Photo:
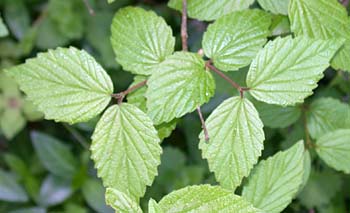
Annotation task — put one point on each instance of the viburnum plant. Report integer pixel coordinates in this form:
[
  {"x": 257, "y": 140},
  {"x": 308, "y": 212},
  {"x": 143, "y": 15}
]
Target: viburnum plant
[{"x": 68, "y": 85}]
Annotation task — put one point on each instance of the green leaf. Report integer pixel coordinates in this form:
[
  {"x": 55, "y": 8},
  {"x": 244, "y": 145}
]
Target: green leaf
[
  {"x": 121, "y": 202},
  {"x": 66, "y": 84},
  {"x": 287, "y": 70},
  {"x": 326, "y": 115},
  {"x": 9, "y": 189},
  {"x": 322, "y": 19},
  {"x": 276, "y": 180},
  {"x": 209, "y": 10},
  {"x": 12, "y": 122},
  {"x": 110, "y": 1},
  {"x": 275, "y": 6},
  {"x": 53, "y": 191},
  {"x": 153, "y": 207},
  {"x": 275, "y": 116},
  {"x": 165, "y": 129},
  {"x": 71, "y": 24},
  {"x": 180, "y": 84},
  {"x": 236, "y": 141},
  {"x": 54, "y": 155},
  {"x": 205, "y": 198},
  {"x": 17, "y": 17},
  {"x": 138, "y": 99},
  {"x": 93, "y": 193},
  {"x": 125, "y": 148},
  {"x": 3, "y": 29},
  {"x": 334, "y": 149},
  {"x": 320, "y": 188},
  {"x": 31, "y": 112},
  {"x": 29, "y": 210},
  {"x": 140, "y": 39},
  {"x": 232, "y": 46}
]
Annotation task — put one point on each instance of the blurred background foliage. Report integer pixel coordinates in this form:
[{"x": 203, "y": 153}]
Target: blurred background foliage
[{"x": 46, "y": 167}]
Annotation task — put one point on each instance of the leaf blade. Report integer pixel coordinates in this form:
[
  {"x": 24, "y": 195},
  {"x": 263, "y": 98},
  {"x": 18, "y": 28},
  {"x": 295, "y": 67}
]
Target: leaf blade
[
  {"x": 180, "y": 85},
  {"x": 210, "y": 10},
  {"x": 275, "y": 181},
  {"x": 287, "y": 70},
  {"x": 140, "y": 40},
  {"x": 325, "y": 19},
  {"x": 233, "y": 46},
  {"x": 205, "y": 198},
  {"x": 126, "y": 151},
  {"x": 334, "y": 148},
  {"x": 121, "y": 202},
  {"x": 235, "y": 132},
  {"x": 67, "y": 85}
]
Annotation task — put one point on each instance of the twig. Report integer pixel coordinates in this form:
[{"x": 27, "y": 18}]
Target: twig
[
  {"x": 91, "y": 11},
  {"x": 184, "y": 37},
  {"x": 120, "y": 96},
  {"x": 184, "y": 34},
  {"x": 76, "y": 135},
  {"x": 345, "y": 3},
  {"x": 204, "y": 127},
  {"x": 308, "y": 142},
  {"x": 240, "y": 89}
]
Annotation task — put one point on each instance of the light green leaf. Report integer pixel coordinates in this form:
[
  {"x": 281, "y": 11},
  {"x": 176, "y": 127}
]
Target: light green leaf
[
  {"x": 54, "y": 155},
  {"x": 66, "y": 84},
  {"x": 326, "y": 115},
  {"x": 180, "y": 84},
  {"x": 232, "y": 46},
  {"x": 208, "y": 10},
  {"x": 11, "y": 122},
  {"x": 125, "y": 148},
  {"x": 275, "y": 116},
  {"x": 3, "y": 29},
  {"x": 165, "y": 129},
  {"x": 287, "y": 70},
  {"x": 205, "y": 198},
  {"x": 320, "y": 188},
  {"x": 236, "y": 141},
  {"x": 334, "y": 149},
  {"x": 93, "y": 192},
  {"x": 9, "y": 189},
  {"x": 137, "y": 98},
  {"x": 140, "y": 39},
  {"x": 31, "y": 112},
  {"x": 153, "y": 207},
  {"x": 322, "y": 19},
  {"x": 121, "y": 202},
  {"x": 276, "y": 180},
  {"x": 275, "y": 6},
  {"x": 110, "y": 1}
]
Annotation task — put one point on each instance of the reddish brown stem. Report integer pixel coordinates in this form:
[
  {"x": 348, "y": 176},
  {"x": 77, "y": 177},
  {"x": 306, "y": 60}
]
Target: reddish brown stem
[
  {"x": 240, "y": 89},
  {"x": 345, "y": 3},
  {"x": 120, "y": 96},
  {"x": 204, "y": 127},
  {"x": 184, "y": 34}
]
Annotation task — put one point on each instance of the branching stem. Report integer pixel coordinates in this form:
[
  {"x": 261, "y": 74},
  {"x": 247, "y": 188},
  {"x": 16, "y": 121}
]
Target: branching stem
[
  {"x": 184, "y": 37},
  {"x": 184, "y": 34},
  {"x": 120, "y": 96},
  {"x": 240, "y": 89},
  {"x": 308, "y": 142}
]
